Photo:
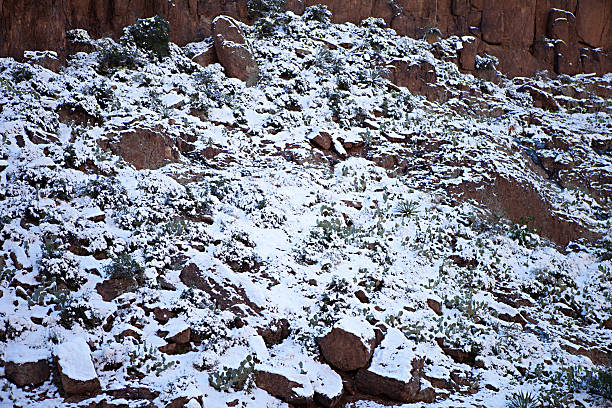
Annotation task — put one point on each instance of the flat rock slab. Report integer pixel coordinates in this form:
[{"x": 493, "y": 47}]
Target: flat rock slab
[
  {"x": 77, "y": 372},
  {"x": 394, "y": 372}
]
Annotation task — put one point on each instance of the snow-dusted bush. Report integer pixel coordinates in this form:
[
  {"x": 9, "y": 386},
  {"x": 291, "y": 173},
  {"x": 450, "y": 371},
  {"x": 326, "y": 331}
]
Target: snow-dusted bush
[
  {"x": 258, "y": 8},
  {"x": 150, "y": 34},
  {"x": 318, "y": 13},
  {"x": 124, "y": 266},
  {"x": 58, "y": 267},
  {"x": 488, "y": 62},
  {"x": 116, "y": 56}
]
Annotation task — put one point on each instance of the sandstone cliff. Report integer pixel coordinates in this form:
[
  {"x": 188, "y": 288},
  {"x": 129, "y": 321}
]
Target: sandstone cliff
[{"x": 564, "y": 36}]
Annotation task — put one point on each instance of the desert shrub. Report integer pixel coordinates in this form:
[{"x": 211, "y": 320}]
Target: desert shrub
[
  {"x": 150, "y": 34},
  {"x": 599, "y": 383},
  {"x": 486, "y": 63},
  {"x": 258, "y": 8},
  {"x": 265, "y": 27},
  {"x": 116, "y": 56},
  {"x": 57, "y": 267},
  {"x": 234, "y": 378},
  {"x": 77, "y": 310},
  {"x": 124, "y": 266},
  {"x": 318, "y": 13},
  {"x": 22, "y": 72}
]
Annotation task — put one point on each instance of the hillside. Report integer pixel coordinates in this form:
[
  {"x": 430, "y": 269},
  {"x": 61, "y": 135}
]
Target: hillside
[{"x": 331, "y": 215}]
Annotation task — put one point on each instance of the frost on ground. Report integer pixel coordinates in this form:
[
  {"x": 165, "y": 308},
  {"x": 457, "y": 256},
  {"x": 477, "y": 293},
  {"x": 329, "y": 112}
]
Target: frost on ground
[{"x": 172, "y": 236}]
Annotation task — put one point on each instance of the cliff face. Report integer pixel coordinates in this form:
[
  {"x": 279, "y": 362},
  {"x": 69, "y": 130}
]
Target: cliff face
[{"x": 564, "y": 36}]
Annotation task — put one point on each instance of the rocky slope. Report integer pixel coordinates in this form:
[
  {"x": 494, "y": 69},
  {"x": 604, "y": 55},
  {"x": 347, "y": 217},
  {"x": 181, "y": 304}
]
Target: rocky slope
[
  {"x": 332, "y": 216},
  {"x": 562, "y": 36}
]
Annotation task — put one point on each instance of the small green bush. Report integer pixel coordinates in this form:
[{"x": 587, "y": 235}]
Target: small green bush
[
  {"x": 318, "y": 13},
  {"x": 151, "y": 34},
  {"x": 234, "y": 378},
  {"x": 600, "y": 383},
  {"x": 258, "y": 8},
  {"x": 124, "y": 267},
  {"x": 116, "y": 56}
]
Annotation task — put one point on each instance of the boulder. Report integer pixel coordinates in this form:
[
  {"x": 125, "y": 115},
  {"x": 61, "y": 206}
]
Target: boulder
[
  {"x": 299, "y": 381},
  {"x": 294, "y": 389},
  {"x": 113, "y": 288},
  {"x": 225, "y": 294},
  {"x": 395, "y": 372},
  {"x": 178, "y": 331},
  {"x": 77, "y": 373},
  {"x": 144, "y": 148},
  {"x": 46, "y": 59},
  {"x": 202, "y": 53},
  {"x": 540, "y": 98},
  {"x": 25, "y": 366},
  {"x": 233, "y": 50},
  {"x": 349, "y": 345},
  {"x": 275, "y": 332},
  {"x": 322, "y": 140},
  {"x": 435, "y": 304}
]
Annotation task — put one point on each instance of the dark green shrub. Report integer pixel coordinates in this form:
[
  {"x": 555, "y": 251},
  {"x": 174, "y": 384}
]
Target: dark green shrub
[
  {"x": 151, "y": 34},
  {"x": 124, "y": 267},
  {"x": 77, "y": 311},
  {"x": 22, "y": 73},
  {"x": 234, "y": 378},
  {"x": 116, "y": 56},
  {"x": 600, "y": 383},
  {"x": 258, "y": 8},
  {"x": 318, "y": 13}
]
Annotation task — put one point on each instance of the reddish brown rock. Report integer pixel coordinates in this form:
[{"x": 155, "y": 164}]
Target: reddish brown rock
[
  {"x": 541, "y": 99},
  {"x": 113, "y": 288},
  {"x": 395, "y": 372},
  {"x": 46, "y": 59},
  {"x": 202, "y": 53},
  {"x": 27, "y": 373},
  {"x": 181, "y": 337},
  {"x": 594, "y": 23},
  {"x": 275, "y": 332},
  {"x": 233, "y": 50},
  {"x": 77, "y": 372},
  {"x": 226, "y": 296},
  {"x": 349, "y": 345},
  {"x": 144, "y": 148},
  {"x": 322, "y": 140},
  {"x": 283, "y": 388},
  {"x": 435, "y": 305},
  {"x": 418, "y": 76}
]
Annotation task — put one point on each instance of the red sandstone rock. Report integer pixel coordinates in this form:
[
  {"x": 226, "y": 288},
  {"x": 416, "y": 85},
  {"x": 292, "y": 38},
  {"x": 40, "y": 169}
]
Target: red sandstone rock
[
  {"x": 349, "y": 345},
  {"x": 144, "y": 148},
  {"x": 286, "y": 389},
  {"x": 513, "y": 27},
  {"x": 233, "y": 51},
  {"x": 27, "y": 373},
  {"x": 77, "y": 372},
  {"x": 395, "y": 371}
]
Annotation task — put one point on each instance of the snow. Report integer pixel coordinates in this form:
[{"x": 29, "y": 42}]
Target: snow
[
  {"x": 284, "y": 237},
  {"x": 74, "y": 358},
  {"x": 393, "y": 357},
  {"x": 358, "y": 327},
  {"x": 20, "y": 354}
]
